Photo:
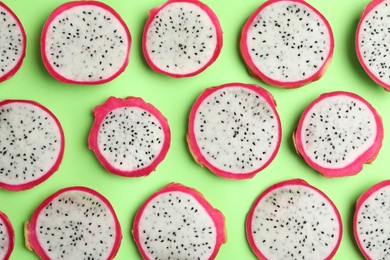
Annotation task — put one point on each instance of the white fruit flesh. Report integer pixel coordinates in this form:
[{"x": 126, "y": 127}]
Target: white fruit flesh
[
  {"x": 4, "y": 239},
  {"x": 30, "y": 143},
  {"x": 372, "y": 224},
  {"x": 130, "y": 138},
  {"x": 288, "y": 41},
  {"x": 11, "y": 42},
  {"x": 181, "y": 38},
  {"x": 373, "y": 38},
  {"x": 295, "y": 222},
  {"x": 86, "y": 43},
  {"x": 236, "y": 130},
  {"x": 76, "y": 225},
  {"x": 174, "y": 225},
  {"x": 337, "y": 130}
]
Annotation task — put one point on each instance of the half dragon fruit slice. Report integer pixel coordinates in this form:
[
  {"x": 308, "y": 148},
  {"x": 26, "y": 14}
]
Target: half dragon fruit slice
[
  {"x": 85, "y": 42},
  {"x": 372, "y": 39},
  {"x": 12, "y": 44},
  {"x": 293, "y": 220},
  {"x": 338, "y": 133},
  {"x": 181, "y": 38},
  {"x": 7, "y": 237},
  {"x": 371, "y": 222},
  {"x": 31, "y": 144},
  {"x": 74, "y": 223},
  {"x": 234, "y": 130},
  {"x": 287, "y": 43},
  {"x": 177, "y": 222},
  {"x": 129, "y": 136}
]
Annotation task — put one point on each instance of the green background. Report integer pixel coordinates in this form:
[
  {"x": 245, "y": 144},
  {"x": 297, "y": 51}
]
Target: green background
[{"x": 174, "y": 97}]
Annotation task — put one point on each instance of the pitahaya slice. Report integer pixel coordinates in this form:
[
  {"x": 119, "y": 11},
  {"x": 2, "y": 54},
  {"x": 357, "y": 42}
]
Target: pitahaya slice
[
  {"x": 74, "y": 223},
  {"x": 287, "y": 43},
  {"x": 371, "y": 222},
  {"x": 177, "y": 222},
  {"x": 372, "y": 39},
  {"x": 338, "y": 133},
  {"x": 234, "y": 130},
  {"x": 31, "y": 144},
  {"x": 129, "y": 136},
  {"x": 7, "y": 237},
  {"x": 85, "y": 42},
  {"x": 12, "y": 44},
  {"x": 181, "y": 38},
  {"x": 293, "y": 220}
]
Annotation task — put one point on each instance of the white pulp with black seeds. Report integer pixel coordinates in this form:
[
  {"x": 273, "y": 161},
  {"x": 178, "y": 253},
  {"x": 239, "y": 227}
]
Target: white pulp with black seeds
[
  {"x": 130, "y": 138},
  {"x": 30, "y": 143},
  {"x": 11, "y": 42},
  {"x": 76, "y": 225},
  {"x": 372, "y": 224},
  {"x": 181, "y": 39},
  {"x": 174, "y": 225},
  {"x": 295, "y": 222},
  {"x": 236, "y": 130},
  {"x": 337, "y": 130},
  {"x": 288, "y": 41},
  {"x": 372, "y": 40},
  {"x": 86, "y": 43},
  {"x": 4, "y": 239}
]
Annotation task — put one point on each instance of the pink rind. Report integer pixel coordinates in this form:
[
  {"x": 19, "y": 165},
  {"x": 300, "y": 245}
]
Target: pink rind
[
  {"x": 31, "y": 227},
  {"x": 65, "y": 7},
  {"x": 359, "y": 203},
  {"x": 191, "y": 138},
  {"x": 216, "y": 215},
  {"x": 258, "y": 74},
  {"x": 366, "y": 11},
  {"x": 11, "y": 234},
  {"x": 355, "y": 167},
  {"x": 24, "y": 39},
  {"x": 298, "y": 182},
  {"x": 213, "y": 18},
  {"x": 55, "y": 166},
  {"x": 101, "y": 111}
]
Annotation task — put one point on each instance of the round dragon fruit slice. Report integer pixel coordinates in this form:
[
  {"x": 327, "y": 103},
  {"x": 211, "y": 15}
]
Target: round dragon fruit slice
[
  {"x": 31, "y": 144},
  {"x": 371, "y": 221},
  {"x": 129, "y": 136},
  {"x": 181, "y": 38},
  {"x": 74, "y": 223},
  {"x": 287, "y": 43},
  {"x": 85, "y": 42},
  {"x": 7, "y": 237},
  {"x": 13, "y": 43},
  {"x": 293, "y": 220},
  {"x": 338, "y": 133},
  {"x": 372, "y": 39},
  {"x": 234, "y": 130},
  {"x": 177, "y": 222}
]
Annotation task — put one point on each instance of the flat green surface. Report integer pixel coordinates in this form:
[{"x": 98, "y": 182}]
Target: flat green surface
[{"x": 174, "y": 97}]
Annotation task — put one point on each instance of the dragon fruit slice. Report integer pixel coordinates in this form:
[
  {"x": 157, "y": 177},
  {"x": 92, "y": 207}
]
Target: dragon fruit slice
[
  {"x": 372, "y": 39},
  {"x": 234, "y": 130},
  {"x": 178, "y": 223},
  {"x": 287, "y": 43},
  {"x": 293, "y": 220},
  {"x": 129, "y": 136},
  {"x": 31, "y": 144},
  {"x": 74, "y": 223},
  {"x": 85, "y": 42},
  {"x": 7, "y": 237},
  {"x": 181, "y": 38},
  {"x": 371, "y": 222},
  {"x": 338, "y": 133},
  {"x": 12, "y": 44}
]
